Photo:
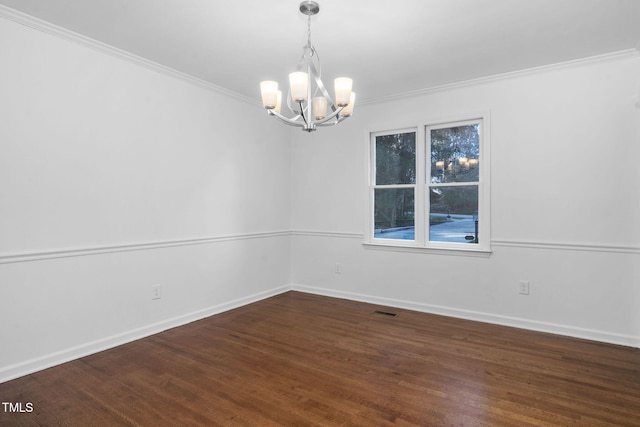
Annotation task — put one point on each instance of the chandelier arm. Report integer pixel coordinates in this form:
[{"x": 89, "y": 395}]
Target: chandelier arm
[
  {"x": 324, "y": 91},
  {"x": 316, "y": 72},
  {"x": 329, "y": 117},
  {"x": 310, "y": 63},
  {"x": 339, "y": 119},
  {"x": 286, "y": 120},
  {"x": 306, "y": 121}
]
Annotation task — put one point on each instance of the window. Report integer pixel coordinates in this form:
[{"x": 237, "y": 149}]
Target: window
[
  {"x": 454, "y": 182},
  {"x": 428, "y": 187},
  {"x": 395, "y": 186}
]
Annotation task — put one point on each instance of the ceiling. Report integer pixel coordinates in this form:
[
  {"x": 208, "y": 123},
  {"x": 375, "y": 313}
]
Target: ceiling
[{"x": 387, "y": 47}]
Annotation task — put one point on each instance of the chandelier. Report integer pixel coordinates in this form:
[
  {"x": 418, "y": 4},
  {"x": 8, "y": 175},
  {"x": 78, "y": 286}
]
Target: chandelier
[{"x": 308, "y": 98}]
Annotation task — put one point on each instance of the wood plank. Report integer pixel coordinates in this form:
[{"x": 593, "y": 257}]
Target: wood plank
[{"x": 301, "y": 359}]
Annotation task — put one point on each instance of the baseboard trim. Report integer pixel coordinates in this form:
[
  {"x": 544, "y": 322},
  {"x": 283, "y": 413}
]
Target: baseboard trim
[
  {"x": 515, "y": 322},
  {"x": 37, "y": 364}
]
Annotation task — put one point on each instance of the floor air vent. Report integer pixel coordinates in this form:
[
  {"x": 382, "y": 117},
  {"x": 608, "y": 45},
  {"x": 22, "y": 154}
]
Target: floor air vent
[{"x": 385, "y": 313}]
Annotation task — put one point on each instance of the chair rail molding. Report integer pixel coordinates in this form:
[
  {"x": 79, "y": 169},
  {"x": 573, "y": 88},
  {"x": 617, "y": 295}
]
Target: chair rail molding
[{"x": 8, "y": 258}]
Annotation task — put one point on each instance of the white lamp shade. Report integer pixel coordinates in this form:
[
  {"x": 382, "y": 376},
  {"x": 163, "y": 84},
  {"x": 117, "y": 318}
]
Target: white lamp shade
[
  {"x": 343, "y": 90},
  {"x": 319, "y": 107},
  {"x": 278, "y": 102},
  {"x": 269, "y": 90},
  {"x": 348, "y": 110},
  {"x": 299, "y": 82}
]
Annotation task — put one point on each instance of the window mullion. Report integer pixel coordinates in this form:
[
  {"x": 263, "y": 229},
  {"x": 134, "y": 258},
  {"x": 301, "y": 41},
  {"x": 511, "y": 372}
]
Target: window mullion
[
  {"x": 455, "y": 184},
  {"x": 426, "y": 206},
  {"x": 421, "y": 175},
  {"x": 394, "y": 186}
]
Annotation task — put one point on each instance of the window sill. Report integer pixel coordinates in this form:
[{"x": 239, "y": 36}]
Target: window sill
[{"x": 394, "y": 247}]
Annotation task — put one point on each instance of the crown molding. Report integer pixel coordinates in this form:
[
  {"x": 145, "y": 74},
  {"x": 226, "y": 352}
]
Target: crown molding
[
  {"x": 607, "y": 57},
  {"x": 63, "y": 33}
]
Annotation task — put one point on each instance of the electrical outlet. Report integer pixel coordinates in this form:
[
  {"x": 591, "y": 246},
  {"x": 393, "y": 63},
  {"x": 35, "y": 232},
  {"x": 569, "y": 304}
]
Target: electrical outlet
[
  {"x": 156, "y": 292},
  {"x": 523, "y": 287},
  {"x": 338, "y": 268}
]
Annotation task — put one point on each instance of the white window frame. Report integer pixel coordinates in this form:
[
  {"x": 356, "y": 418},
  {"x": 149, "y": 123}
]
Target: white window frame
[{"x": 421, "y": 189}]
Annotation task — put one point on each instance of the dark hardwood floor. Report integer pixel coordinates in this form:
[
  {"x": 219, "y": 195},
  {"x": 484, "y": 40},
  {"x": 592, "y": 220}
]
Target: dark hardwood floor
[{"x": 298, "y": 359}]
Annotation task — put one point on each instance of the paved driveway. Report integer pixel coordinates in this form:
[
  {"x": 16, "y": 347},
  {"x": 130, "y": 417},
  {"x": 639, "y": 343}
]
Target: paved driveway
[{"x": 452, "y": 231}]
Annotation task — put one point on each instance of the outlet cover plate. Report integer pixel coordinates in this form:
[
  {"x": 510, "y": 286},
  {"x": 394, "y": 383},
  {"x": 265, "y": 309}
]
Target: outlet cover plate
[
  {"x": 523, "y": 287},
  {"x": 156, "y": 292}
]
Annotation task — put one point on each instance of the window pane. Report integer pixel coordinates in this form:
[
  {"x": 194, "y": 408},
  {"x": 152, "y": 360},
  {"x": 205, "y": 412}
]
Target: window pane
[
  {"x": 394, "y": 217},
  {"x": 396, "y": 159},
  {"x": 454, "y": 212},
  {"x": 455, "y": 154}
]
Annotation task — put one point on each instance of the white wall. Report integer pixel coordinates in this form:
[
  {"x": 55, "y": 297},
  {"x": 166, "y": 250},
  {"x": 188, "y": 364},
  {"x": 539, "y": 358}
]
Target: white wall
[
  {"x": 565, "y": 144},
  {"x": 115, "y": 177}
]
